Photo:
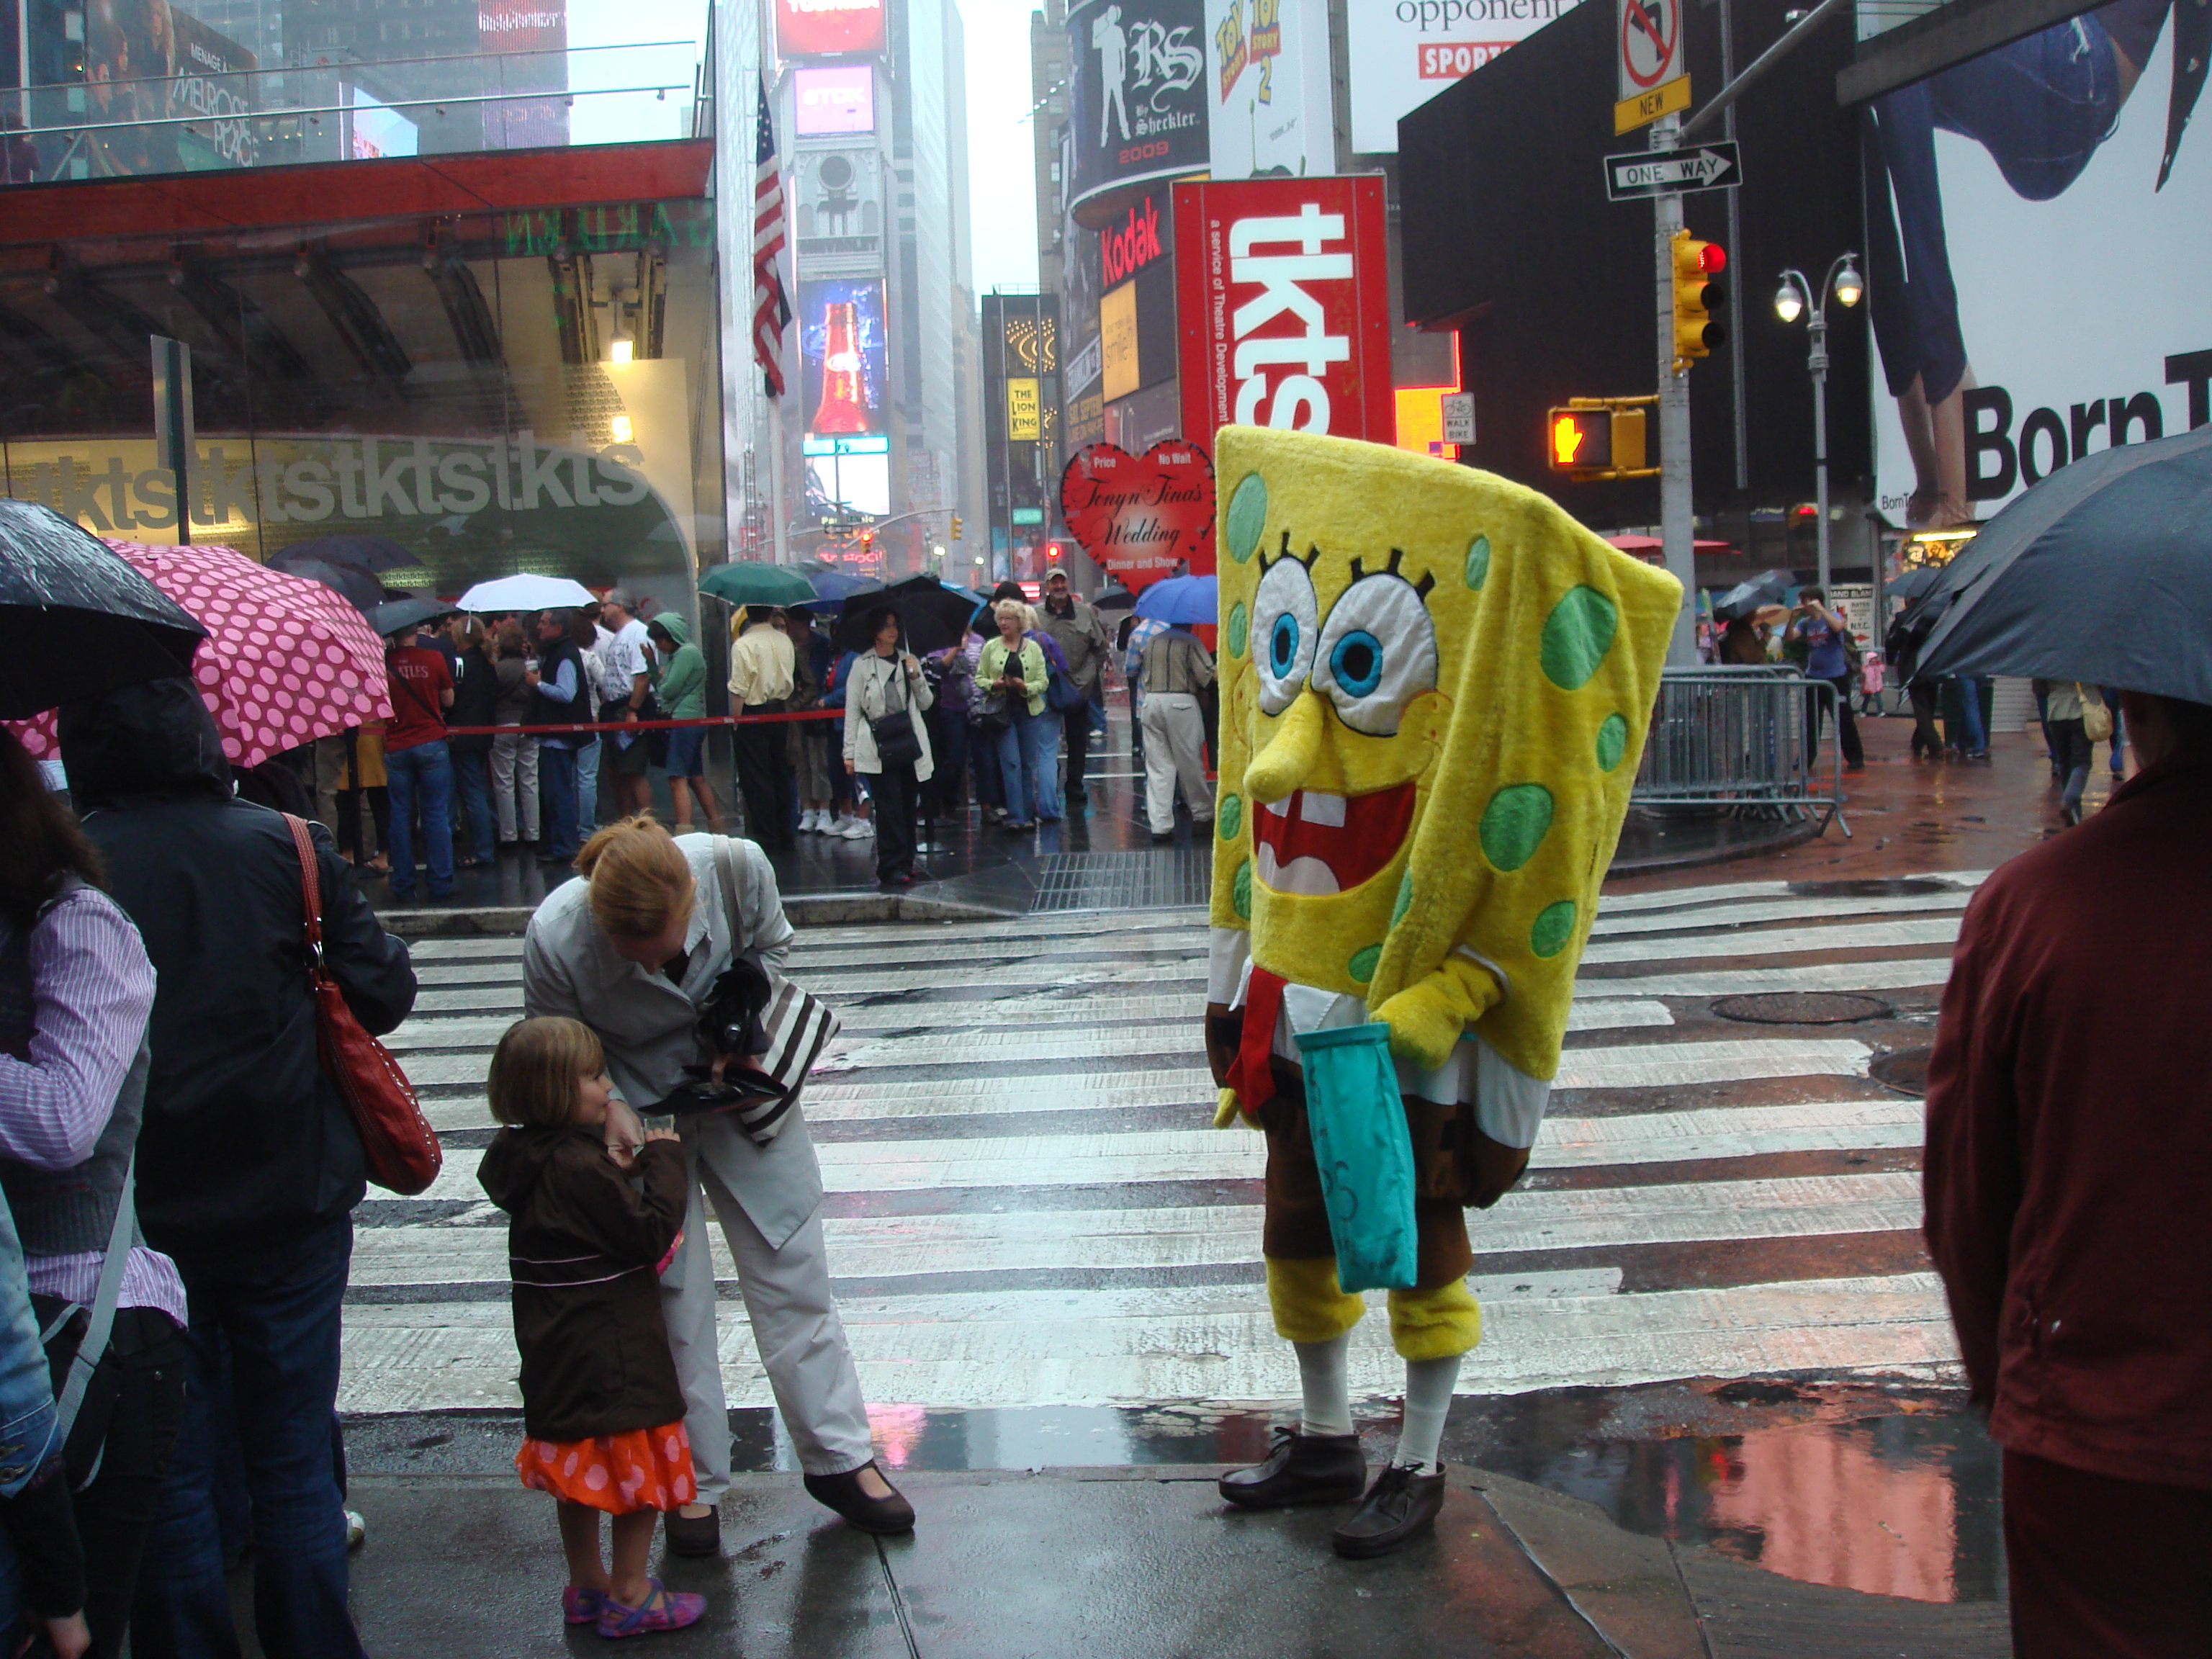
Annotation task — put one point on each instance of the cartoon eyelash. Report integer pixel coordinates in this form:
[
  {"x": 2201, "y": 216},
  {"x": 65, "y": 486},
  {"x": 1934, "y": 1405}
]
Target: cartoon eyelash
[
  {"x": 1397, "y": 556},
  {"x": 1283, "y": 552}
]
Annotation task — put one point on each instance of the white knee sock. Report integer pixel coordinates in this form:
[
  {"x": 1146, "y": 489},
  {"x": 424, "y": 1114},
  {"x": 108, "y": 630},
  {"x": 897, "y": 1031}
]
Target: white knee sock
[
  {"x": 1326, "y": 1379},
  {"x": 1428, "y": 1402}
]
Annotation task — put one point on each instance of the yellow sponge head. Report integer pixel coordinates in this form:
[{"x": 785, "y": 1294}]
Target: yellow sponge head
[{"x": 1435, "y": 690}]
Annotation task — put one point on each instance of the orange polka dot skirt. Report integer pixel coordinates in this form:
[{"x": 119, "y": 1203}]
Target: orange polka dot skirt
[{"x": 643, "y": 1469}]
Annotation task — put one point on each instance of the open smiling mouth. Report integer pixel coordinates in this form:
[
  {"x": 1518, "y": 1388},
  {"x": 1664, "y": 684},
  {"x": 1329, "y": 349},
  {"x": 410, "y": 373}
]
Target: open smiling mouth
[{"x": 1318, "y": 844}]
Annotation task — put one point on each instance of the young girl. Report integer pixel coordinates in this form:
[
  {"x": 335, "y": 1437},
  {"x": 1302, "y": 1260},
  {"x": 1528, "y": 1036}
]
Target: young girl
[{"x": 590, "y": 1228}]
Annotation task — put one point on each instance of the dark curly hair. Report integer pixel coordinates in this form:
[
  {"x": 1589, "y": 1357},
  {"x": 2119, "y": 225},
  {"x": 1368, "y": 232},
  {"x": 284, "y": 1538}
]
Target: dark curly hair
[{"x": 43, "y": 840}]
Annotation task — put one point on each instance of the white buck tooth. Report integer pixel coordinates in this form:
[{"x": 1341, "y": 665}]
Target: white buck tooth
[
  {"x": 1281, "y": 808},
  {"x": 1264, "y": 865},
  {"x": 1308, "y": 876},
  {"x": 1327, "y": 810}
]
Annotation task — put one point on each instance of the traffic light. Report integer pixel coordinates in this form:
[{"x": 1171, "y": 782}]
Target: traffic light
[
  {"x": 1594, "y": 436},
  {"x": 1697, "y": 296},
  {"x": 1052, "y": 552},
  {"x": 956, "y": 527},
  {"x": 1579, "y": 440}
]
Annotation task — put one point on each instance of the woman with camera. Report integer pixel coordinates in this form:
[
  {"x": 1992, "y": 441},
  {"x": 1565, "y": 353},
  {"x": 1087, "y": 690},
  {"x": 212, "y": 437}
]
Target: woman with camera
[
  {"x": 636, "y": 951},
  {"x": 887, "y": 741}
]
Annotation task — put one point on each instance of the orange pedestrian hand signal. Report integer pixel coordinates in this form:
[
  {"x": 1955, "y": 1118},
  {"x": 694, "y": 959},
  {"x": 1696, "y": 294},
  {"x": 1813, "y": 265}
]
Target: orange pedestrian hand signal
[{"x": 1581, "y": 439}]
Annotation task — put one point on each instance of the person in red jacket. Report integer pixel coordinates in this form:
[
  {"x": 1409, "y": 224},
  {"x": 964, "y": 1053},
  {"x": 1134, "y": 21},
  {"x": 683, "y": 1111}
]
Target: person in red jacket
[{"x": 2070, "y": 1132}]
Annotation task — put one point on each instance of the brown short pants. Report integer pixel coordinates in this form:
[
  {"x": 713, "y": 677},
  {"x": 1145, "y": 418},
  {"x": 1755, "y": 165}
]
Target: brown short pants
[{"x": 1297, "y": 1227}]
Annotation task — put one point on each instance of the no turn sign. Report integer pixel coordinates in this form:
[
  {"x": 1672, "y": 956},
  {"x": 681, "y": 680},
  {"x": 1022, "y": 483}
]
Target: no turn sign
[{"x": 1650, "y": 45}]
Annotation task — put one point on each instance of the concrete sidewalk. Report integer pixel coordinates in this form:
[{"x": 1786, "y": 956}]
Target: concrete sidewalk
[{"x": 1124, "y": 1564}]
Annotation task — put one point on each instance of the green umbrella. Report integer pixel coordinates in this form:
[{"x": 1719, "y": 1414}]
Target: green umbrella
[{"x": 745, "y": 583}]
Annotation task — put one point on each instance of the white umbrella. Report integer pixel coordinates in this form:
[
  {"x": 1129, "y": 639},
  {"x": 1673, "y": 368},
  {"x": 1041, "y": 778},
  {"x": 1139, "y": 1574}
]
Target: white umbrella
[{"x": 526, "y": 592}]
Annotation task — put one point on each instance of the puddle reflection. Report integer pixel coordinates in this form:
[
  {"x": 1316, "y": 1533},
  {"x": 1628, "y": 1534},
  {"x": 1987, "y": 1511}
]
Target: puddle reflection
[{"x": 1892, "y": 1496}]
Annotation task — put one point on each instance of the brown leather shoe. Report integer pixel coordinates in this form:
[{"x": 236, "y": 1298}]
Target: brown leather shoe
[
  {"x": 842, "y": 1494},
  {"x": 1401, "y": 1504},
  {"x": 695, "y": 1534},
  {"x": 1302, "y": 1469}
]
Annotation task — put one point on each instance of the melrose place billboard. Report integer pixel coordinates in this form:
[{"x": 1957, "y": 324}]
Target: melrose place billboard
[{"x": 2057, "y": 303}]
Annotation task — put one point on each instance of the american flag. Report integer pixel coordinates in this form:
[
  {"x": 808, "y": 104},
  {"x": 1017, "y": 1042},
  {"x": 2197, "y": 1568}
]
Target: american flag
[{"x": 771, "y": 310}]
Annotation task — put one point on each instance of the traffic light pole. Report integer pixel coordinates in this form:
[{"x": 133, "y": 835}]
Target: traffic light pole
[{"x": 1676, "y": 531}]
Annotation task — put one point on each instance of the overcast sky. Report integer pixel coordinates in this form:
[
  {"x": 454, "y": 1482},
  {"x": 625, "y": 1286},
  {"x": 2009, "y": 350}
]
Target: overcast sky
[{"x": 1000, "y": 161}]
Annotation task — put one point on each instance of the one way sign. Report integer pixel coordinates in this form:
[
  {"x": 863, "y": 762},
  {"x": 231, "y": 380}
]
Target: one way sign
[{"x": 1660, "y": 172}]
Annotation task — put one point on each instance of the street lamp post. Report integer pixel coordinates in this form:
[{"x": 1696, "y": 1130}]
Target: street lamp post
[{"x": 1794, "y": 298}]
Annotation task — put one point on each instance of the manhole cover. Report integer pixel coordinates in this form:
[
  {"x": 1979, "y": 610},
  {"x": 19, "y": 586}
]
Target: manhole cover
[
  {"x": 1874, "y": 887},
  {"x": 1905, "y": 1070},
  {"x": 1802, "y": 1008}
]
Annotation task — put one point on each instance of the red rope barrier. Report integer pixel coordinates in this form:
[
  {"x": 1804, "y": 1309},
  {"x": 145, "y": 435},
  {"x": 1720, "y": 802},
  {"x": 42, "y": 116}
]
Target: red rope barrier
[{"x": 646, "y": 725}]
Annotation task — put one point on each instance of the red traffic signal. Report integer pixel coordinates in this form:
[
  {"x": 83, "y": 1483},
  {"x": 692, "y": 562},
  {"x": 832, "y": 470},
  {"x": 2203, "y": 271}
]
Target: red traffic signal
[{"x": 1697, "y": 296}]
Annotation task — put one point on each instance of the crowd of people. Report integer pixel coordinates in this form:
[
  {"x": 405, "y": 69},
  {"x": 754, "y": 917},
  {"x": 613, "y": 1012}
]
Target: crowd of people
[{"x": 1004, "y": 722}]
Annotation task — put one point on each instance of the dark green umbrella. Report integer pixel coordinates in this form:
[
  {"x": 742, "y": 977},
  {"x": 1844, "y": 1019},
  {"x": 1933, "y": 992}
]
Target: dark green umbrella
[
  {"x": 76, "y": 620},
  {"x": 2101, "y": 574},
  {"x": 743, "y": 582}
]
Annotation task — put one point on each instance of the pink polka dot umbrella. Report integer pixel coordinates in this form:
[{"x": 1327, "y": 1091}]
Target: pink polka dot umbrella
[{"x": 286, "y": 659}]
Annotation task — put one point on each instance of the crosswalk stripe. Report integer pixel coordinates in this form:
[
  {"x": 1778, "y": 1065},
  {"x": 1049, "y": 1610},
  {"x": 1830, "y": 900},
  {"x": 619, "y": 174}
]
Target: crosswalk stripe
[
  {"x": 432, "y": 1355},
  {"x": 1849, "y": 936}
]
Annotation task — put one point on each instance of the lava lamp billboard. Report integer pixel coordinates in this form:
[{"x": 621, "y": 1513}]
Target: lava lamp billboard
[{"x": 845, "y": 375}]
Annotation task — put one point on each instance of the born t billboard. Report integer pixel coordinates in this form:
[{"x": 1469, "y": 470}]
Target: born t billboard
[
  {"x": 1283, "y": 307},
  {"x": 2036, "y": 288}
]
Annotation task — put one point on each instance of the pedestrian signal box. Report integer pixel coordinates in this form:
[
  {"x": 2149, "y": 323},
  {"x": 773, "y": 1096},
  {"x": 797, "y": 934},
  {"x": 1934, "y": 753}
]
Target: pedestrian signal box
[
  {"x": 1592, "y": 438},
  {"x": 1697, "y": 296}
]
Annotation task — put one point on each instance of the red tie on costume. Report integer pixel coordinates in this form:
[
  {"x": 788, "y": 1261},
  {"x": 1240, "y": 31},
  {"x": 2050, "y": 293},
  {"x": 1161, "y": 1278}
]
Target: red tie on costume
[{"x": 1254, "y": 1077}]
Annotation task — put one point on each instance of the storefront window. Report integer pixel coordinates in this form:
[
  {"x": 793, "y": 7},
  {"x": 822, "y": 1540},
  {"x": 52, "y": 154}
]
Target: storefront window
[{"x": 492, "y": 392}]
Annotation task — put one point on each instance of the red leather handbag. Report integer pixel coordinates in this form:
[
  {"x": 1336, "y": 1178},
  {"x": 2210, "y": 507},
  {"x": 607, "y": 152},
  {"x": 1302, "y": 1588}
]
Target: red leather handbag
[{"x": 404, "y": 1154}]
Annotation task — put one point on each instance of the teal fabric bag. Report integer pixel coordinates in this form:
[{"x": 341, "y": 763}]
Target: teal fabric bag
[{"x": 1365, "y": 1153}]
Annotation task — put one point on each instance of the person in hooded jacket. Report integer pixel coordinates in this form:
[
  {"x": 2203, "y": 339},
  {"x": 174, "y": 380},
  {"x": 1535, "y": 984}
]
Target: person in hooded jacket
[{"x": 249, "y": 1164}]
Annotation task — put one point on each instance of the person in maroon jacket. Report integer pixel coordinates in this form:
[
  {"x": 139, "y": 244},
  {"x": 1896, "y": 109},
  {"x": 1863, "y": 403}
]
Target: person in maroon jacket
[{"x": 2069, "y": 1133}]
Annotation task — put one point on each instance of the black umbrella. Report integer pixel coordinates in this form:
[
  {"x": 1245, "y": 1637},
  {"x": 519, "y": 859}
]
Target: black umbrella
[
  {"x": 76, "y": 619},
  {"x": 1114, "y": 598},
  {"x": 1768, "y": 587},
  {"x": 396, "y": 615},
  {"x": 2100, "y": 573},
  {"x": 362, "y": 591},
  {"x": 1914, "y": 583},
  {"x": 932, "y": 616},
  {"x": 369, "y": 553}
]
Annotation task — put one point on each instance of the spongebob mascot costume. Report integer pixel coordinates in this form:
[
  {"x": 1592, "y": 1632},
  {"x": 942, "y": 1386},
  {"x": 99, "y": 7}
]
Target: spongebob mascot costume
[{"x": 1435, "y": 689}]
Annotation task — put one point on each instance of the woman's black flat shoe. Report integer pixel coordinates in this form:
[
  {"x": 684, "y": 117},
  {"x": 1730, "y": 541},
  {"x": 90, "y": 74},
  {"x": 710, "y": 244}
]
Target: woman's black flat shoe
[
  {"x": 694, "y": 1535},
  {"x": 842, "y": 1494}
]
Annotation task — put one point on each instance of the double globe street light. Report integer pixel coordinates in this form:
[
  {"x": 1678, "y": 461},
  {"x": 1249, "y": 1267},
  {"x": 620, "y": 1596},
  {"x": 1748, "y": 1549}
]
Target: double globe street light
[{"x": 1793, "y": 300}]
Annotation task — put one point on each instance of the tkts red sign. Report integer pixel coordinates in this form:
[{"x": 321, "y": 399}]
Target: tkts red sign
[{"x": 1282, "y": 302}]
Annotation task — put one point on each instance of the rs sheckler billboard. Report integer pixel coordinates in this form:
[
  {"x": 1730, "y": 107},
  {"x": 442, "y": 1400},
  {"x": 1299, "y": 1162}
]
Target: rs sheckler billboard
[
  {"x": 812, "y": 28},
  {"x": 2057, "y": 260},
  {"x": 1283, "y": 305},
  {"x": 1137, "y": 100}
]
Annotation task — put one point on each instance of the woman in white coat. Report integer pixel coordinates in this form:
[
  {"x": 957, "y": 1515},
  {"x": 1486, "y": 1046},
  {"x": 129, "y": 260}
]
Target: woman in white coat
[
  {"x": 634, "y": 950},
  {"x": 887, "y": 682}
]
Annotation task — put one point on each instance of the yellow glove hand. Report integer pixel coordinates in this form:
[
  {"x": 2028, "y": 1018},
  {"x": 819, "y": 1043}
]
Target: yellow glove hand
[
  {"x": 1227, "y": 1111},
  {"x": 1426, "y": 1019}
]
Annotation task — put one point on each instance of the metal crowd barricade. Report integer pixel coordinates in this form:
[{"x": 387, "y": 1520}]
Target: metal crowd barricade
[{"x": 1742, "y": 738}]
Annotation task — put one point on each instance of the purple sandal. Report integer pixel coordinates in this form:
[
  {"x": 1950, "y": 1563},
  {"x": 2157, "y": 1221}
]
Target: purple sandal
[
  {"x": 582, "y": 1606},
  {"x": 662, "y": 1609}
]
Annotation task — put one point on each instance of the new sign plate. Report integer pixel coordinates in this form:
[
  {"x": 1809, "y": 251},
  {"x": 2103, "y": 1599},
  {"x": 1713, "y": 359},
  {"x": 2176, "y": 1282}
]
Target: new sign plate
[{"x": 1671, "y": 172}]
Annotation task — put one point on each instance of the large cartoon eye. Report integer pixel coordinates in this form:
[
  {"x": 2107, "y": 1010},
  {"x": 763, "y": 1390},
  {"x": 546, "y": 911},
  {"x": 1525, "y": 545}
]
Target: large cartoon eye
[
  {"x": 1285, "y": 626},
  {"x": 1377, "y": 653}
]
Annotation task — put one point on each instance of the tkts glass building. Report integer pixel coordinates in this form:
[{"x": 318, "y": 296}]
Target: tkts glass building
[{"x": 446, "y": 268}]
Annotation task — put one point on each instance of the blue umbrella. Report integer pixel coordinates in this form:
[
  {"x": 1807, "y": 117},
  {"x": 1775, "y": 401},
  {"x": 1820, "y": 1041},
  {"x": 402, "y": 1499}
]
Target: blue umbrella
[
  {"x": 2101, "y": 574},
  {"x": 833, "y": 587},
  {"x": 1182, "y": 599}
]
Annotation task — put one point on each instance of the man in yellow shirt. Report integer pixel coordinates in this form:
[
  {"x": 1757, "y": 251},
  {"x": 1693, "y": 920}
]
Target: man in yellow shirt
[{"x": 761, "y": 669}]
